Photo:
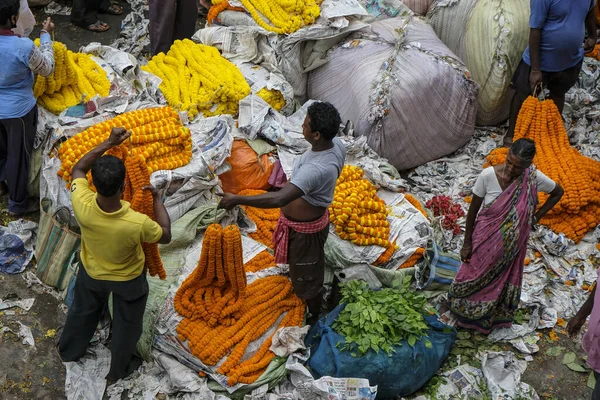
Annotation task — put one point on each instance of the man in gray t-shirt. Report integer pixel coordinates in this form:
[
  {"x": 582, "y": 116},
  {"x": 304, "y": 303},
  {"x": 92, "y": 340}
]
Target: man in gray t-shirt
[{"x": 303, "y": 226}]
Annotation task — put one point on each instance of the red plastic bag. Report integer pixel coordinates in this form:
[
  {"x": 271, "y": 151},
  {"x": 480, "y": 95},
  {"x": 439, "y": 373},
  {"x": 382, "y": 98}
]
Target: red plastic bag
[{"x": 248, "y": 171}]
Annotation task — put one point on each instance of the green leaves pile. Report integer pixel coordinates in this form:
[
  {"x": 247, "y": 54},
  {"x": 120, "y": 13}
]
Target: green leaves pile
[{"x": 380, "y": 320}]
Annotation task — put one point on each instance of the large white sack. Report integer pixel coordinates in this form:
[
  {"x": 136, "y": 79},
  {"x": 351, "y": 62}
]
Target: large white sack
[
  {"x": 490, "y": 37},
  {"x": 26, "y": 20},
  {"x": 382, "y": 9},
  {"x": 403, "y": 89}
]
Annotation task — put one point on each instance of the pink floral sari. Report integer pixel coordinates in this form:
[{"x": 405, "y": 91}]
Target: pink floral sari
[{"x": 485, "y": 293}]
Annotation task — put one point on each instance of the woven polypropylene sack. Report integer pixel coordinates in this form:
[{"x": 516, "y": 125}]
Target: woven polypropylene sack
[
  {"x": 489, "y": 36},
  {"x": 419, "y": 7},
  {"x": 403, "y": 89}
]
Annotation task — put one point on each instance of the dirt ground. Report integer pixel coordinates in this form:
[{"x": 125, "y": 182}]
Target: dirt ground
[{"x": 36, "y": 373}]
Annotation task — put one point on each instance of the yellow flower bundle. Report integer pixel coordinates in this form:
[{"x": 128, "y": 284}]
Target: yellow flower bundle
[
  {"x": 197, "y": 79},
  {"x": 214, "y": 292},
  {"x": 358, "y": 214},
  {"x": 273, "y": 97},
  {"x": 267, "y": 299},
  {"x": 76, "y": 78},
  {"x": 578, "y": 211},
  {"x": 279, "y": 16},
  {"x": 264, "y": 218},
  {"x": 262, "y": 260},
  {"x": 157, "y": 136}
]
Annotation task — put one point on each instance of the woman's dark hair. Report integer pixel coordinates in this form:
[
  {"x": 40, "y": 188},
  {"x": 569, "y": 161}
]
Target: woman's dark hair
[
  {"x": 325, "y": 119},
  {"x": 524, "y": 149},
  {"x": 108, "y": 175},
  {"x": 8, "y": 8}
]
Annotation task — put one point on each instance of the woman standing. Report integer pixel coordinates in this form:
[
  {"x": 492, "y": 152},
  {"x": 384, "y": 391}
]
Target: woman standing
[
  {"x": 485, "y": 294},
  {"x": 18, "y": 114}
]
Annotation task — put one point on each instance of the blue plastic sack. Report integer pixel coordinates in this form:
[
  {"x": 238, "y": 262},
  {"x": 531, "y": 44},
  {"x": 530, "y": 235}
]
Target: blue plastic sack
[
  {"x": 400, "y": 374},
  {"x": 13, "y": 255}
]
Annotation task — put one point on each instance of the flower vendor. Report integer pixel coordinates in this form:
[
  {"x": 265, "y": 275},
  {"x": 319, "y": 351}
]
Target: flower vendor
[
  {"x": 486, "y": 291},
  {"x": 555, "y": 53},
  {"x": 112, "y": 258},
  {"x": 590, "y": 342},
  {"x": 171, "y": 20},
  {"x": 21, "y": 58},
  {"x": 85, "y": 14},
  {"x": 303, "y": 225}
]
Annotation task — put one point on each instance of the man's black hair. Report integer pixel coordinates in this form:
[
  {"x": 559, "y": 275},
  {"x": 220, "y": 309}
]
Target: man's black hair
[
  {"x": 524, "y": 149},
  {"x": 108, "y": 175},
  {"x": 325, "y": 119},
  {"x": 8, "y": 8}
]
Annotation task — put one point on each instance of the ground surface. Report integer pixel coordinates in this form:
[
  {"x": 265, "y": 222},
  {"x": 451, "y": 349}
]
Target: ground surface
[{"x": 37, "y": 373}]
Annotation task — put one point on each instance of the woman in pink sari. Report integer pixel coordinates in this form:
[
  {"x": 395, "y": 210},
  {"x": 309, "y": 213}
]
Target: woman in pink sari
[{"x": 486, "y": 291}]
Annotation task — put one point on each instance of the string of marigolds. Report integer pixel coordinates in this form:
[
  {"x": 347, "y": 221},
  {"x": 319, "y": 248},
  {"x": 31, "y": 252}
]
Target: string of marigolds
[
  {"x": 76, "y": 78},
  {"x": 578, "y": 211},
  {"x": 157, "y": 137},
  {"x": 223, "y": 316},
  {"x": 197, "y": 79},
  {"x": 265, "y": 219},
  {"x": 279, "y": 16},
  {"x": 358, "y": 214}
]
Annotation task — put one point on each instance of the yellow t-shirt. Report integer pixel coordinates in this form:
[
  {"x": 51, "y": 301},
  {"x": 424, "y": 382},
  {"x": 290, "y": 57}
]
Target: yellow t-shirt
[{"x": 111, "y": 243}]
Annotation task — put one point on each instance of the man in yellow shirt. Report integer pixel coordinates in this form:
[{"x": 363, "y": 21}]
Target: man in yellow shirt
[{"x": 113, "y": 260}]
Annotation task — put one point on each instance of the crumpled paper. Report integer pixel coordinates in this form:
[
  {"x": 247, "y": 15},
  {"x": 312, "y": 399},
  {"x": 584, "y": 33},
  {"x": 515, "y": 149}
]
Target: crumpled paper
[
  {"x": 288, "y": 340},
  {"x": 24, "y": 332}
]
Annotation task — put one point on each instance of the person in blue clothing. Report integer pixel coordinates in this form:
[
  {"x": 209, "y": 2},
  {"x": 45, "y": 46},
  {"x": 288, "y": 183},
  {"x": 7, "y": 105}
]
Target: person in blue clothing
[
  {"x": 555, "y": 53},
  {"x": 21, "y": 58}
]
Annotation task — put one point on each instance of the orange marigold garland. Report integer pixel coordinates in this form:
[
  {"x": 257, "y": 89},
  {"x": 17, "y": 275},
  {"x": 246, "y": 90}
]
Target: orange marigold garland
[
  {"x": 262, "y": 260},
  {"x": 266, "y": 300},
  {"x": 578, "y": 211},
  {"x": 157, "y": 135},
  {"x": 215, "y": 290},
  {"x": 413, "y": 259},
  {"x": 264, "y": 218},
  {"x": 415, "y": 203}
]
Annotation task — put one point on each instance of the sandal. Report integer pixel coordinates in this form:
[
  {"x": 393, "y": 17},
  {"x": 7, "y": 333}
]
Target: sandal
[
  {"x": 98, "y": 27},
  {"x": 114, "y": 9}
]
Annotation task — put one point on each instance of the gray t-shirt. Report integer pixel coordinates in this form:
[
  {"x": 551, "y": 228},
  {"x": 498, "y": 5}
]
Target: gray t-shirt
[{"x": 316, "y": 172}]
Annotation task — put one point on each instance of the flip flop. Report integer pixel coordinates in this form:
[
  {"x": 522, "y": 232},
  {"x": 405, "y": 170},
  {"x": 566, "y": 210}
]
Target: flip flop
[
  {"x": 98, "y": 27},
  {"x": 114, "y": 9}
]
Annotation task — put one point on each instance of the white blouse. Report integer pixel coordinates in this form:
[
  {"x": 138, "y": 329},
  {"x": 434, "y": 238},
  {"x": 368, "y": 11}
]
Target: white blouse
[{"x": 488, "y": 188}]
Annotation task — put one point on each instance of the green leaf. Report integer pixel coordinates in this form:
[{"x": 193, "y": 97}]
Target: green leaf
[
  {"x": 591, "y": 383},
  {"x": 576, "y": 367},
  {"x": 463, "y": 335},
  {"x": 554, "y": 351},
  {"x": 412, "y": 340},
  {"x": 569, "y": 358},
  {"x": 428, "y": 344}
]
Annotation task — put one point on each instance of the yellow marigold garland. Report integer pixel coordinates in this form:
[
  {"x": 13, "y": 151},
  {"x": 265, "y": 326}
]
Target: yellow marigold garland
[
  {"x": 157, "y": 136},
  {"x": 273, "y": 97},
  {"x": 413, "y": 259},
  {"x": 578, "y": 211},
  {"x": 76, "y": 78},
  {"x": 358, "y": 214},
  {"x": 279, "y": 16},
  {"x": 264, "y": 218},
  {"x": 197, "y": 79}
]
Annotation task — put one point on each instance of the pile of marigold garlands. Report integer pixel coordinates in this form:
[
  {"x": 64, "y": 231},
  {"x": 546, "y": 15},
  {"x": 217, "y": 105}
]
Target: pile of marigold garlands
[
  {"x": 197, "y": 79},
  {"x": 158, "y": 141},
  {"x": 222, "y": 315},
  {"x": 264, "y": 218},
  {"x": 76, "y": 78},
  {"x": 359, "y": 215},
  {"x": 578, "y": 211},
  {"x": 279, "y": 16}
]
